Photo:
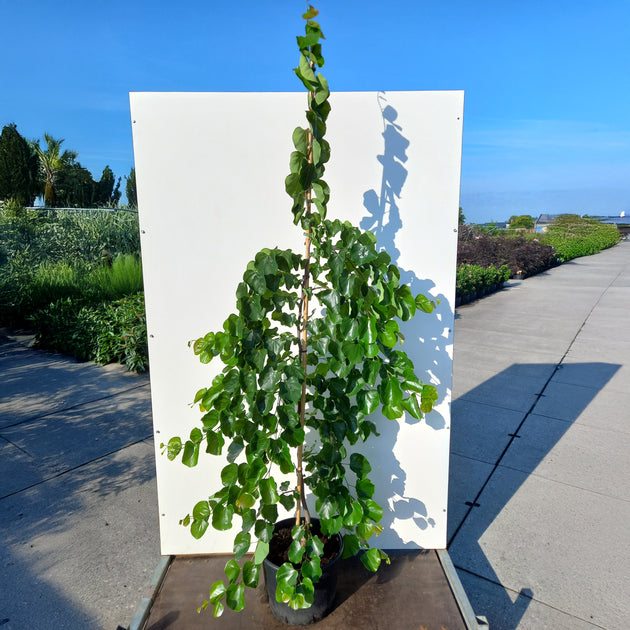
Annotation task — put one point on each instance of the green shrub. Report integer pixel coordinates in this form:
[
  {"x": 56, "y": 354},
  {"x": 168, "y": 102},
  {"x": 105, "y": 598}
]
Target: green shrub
[
  {"x": 108, "y": 332},
  {"x": 572, "y": 236},
  {"x": 525, "y": 255},
  {"x": 474, "y": 278},
  {"x": 122, "y": 336},
  {"x": 67, "y": 326},
  {"x": 54, "y": 281},
  {"x": 123, "y": 277}
]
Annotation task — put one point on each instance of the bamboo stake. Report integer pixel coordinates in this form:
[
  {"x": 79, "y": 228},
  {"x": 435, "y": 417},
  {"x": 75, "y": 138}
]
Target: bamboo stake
[{"x": 304, "y": 338}]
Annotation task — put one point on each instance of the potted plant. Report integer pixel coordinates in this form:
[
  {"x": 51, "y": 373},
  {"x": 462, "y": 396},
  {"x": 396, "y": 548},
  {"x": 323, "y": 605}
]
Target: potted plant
[{"x": 309, "y": 354}]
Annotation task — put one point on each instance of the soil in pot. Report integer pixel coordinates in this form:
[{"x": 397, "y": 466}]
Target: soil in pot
[{"x": 325, "y": 589}]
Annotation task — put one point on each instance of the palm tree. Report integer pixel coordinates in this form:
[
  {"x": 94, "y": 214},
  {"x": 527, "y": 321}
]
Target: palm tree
[{"x": 51, "y": 161}]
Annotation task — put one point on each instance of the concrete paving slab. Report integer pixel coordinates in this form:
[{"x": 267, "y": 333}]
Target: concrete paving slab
[
  {"x": 605, "y": 411},
  {"x": 614, "y": 351},
  {"x": 565, "y": 401},
  {"x": 507, "y": 610},
  {"x": 596, "y": 375},
  {"x": 511, "y": 341},
  {"x": 35, "y": 383},
  {"x": 78, "y": 550},
  {"x": 466, "y": 477},
  {"x": 481, "y": 431},
  {"x": 18, "y": 470},
  {"x": 67, "y": 439},
  {"x": 574, "y": 454},
  {"x": 468, "y": 358},
  {"x": 504, "y": 390},
  {"x": 570, "y": 547}
]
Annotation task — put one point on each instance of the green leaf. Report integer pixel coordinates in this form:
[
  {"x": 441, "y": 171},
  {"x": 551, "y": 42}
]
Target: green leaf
[
  {"x": 222, "y": 517},
  {"x": 263, "y": 530},
  {"x": 251, "y": 573},
  {"x": 174, "y": 447},
  {"x": 201, "y": 510},
  {"x": 354, "y": 516},
  {"x": 389, "y": 335},
  {"x": 368, "y": 401},
  {"x": 353, "y": 352},
  {"x": 365, "y": 530},
  {"x": 235, "y": 597},
  {"x": 365, "y": 488},
  {"x": 411, "y": 405},
  {"x": 268, "y": 491},
  {"x": 311, "y": 13},
  {"x": 218, "y": 609},
  {"x": 371, "y": 370},
  {"x": 198, "y": 527},
  {"x": 306, "y": 71},
  {"x": 217, "y": 591},
  {"x": 287, "y": 501},
  {"x": 232, "y": 570},
  {"x": 215, "y": 443},
  {"x": 269, "y": 513},
  {"x": 390, "y": 392},
  {"x": 312, "y": 569},
  {"x": 371, "y": 559},
  {"x": 300, "y": 140},
  {"x": 191, "y": 454},
  {"x": 373, "y": 510},
  {"x": 351, "y": 545},
  {"x": 322, "y": 92},
  {"x": 242, "y": 542},
  {"x": 287, "y": 574},
  {"x": 262, "y": 551},
  {"x": 245, "y": 500},
  {"x": 326, "y": 508},
  {"x": 424, "y": 304},
  {"x": 360, "y": 465},
  {"x": 296, "y": 551},
  {"x": 234, "y": 450},
  {"x": 330, "y": 299},
  {"x": 291, "y": 390},
  {"x": 229, "y": 475},
  {"x": 332, "y": 525}
]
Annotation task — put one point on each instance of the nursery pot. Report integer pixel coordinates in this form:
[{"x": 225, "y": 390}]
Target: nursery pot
[{"x": 325, "y": 589}]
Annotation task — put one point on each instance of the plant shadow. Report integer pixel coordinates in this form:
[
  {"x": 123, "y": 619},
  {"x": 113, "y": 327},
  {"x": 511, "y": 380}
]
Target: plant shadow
[
  {"x": 426, "y": 336},
  {"x": 494, "y": 450}
]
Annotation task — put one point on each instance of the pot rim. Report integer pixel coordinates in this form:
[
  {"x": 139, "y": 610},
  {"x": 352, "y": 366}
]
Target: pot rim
[{"x": 313, "y": 520}]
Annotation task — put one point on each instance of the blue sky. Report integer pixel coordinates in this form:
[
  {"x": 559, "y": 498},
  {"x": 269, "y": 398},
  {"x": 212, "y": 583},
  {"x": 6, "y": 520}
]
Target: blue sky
[{"x": 547, "y": 82}]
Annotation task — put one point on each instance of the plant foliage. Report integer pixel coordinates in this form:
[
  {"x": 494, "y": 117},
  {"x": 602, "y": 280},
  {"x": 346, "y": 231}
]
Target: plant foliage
[
  {"x": 572, "y": 236},
  {"x": 312, "y": 348},
  {"x": 524, "y": 256}
]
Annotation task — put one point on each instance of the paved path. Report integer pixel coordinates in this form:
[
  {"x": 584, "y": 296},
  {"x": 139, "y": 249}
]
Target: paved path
[
  {"x": 540, "y": 473},
  {"x": 540, "y": 469},
  {"x": 78, "y": 517}
]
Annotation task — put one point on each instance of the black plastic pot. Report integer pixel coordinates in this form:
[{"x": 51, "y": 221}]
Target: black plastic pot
[{"x": 324, "y": 594}]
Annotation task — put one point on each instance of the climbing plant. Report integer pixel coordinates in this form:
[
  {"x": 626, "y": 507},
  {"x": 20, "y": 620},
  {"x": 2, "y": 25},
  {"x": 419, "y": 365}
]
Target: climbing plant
[{"x": 311, "y": 352}]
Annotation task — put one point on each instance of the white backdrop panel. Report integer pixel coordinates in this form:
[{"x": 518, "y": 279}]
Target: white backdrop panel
[{"x": 210, "y": 171}]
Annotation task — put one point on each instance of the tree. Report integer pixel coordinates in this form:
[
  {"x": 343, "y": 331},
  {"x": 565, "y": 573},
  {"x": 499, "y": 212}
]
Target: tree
[
  {"x": 74, "y": 186},
  {"x": 523, "y": 221},
  {"x": 462, "y": 217},
  {"x": 51, "y": 162},
  {"x": 130, "y": 188},
  {"x": 116, "y": 194},
  {"x": 105, "y": 188},
  {"x": 18, "y": 168}
]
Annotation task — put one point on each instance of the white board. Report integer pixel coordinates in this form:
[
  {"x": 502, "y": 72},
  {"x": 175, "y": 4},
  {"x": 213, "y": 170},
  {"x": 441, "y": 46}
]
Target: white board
[{"x": 210, "y": 171}]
